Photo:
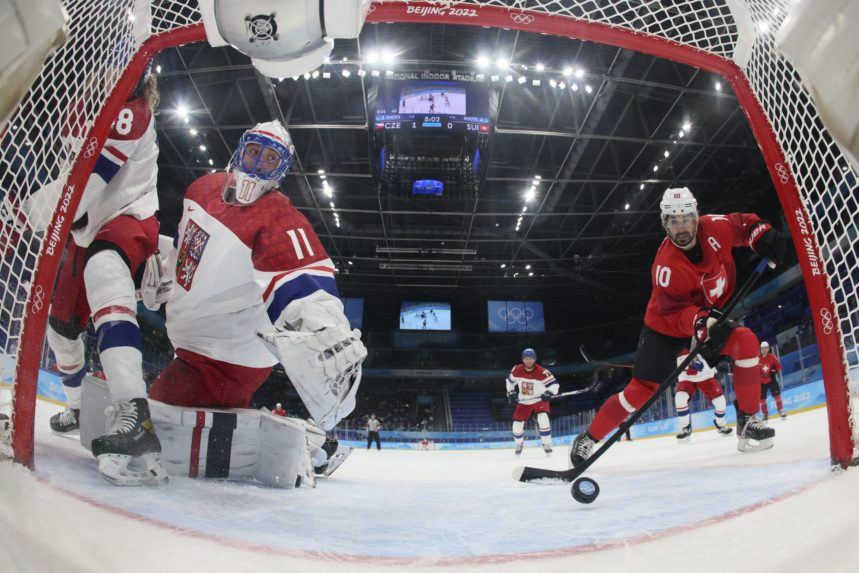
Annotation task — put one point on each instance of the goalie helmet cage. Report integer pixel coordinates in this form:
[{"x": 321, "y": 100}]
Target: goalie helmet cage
[{"x": 83, "y": 85}]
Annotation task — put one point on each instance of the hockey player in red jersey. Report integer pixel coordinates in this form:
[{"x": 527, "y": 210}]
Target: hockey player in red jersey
[
  {"x": 698, "y": 376},
  {"x": 113, "y": 234},
  {"x": 770, "y": 367},
  {"x": 536, "y": 386},
  {"x": 692, "y": 276}
]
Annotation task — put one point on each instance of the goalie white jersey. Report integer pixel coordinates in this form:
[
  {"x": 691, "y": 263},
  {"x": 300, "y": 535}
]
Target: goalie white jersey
[{"x": 238, "y": 268}]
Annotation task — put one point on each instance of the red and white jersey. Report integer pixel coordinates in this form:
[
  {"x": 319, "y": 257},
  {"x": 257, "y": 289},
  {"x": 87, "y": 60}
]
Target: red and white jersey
[
  {"x": 237, "y": 268},
  {"x": 769, "y": 365},
  {"x": 531, "y": 383},
  {"x": 682, "y": 287},
  {"x": 123, "y": 181},
  {"x": 697, "y": 371}
]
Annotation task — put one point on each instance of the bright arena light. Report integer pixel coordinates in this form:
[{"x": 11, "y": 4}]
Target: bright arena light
[
  {"x": 568, "y": 71},
  {"x": 580, "y": 73},
  {"x": 482, "y": 61},
  {"x": 502, "y": 63}
]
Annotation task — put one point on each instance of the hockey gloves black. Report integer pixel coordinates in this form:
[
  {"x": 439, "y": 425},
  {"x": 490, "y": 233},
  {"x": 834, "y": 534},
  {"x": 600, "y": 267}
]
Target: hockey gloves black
[
  {"x": 767, "y": 242},
  {"x": 546, "y": 396},
  {"x": 512, "y": 398},
  {"x": 710, "y": 336}
]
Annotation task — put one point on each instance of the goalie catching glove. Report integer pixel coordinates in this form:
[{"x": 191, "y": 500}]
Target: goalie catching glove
[{"x": 321, "y": 356}]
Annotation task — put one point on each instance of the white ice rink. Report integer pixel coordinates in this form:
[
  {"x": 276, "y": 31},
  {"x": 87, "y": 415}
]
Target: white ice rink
[{"x": 664, "y": 507}]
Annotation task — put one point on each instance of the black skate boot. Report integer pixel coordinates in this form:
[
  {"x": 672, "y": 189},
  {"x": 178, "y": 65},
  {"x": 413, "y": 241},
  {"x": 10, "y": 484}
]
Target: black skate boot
[
  {"x": 69, "y": 420},
  {"x": 580, "y": 449},
  {"x": 518, "y": 450},
  {"x": 750, "y": 429},
  {"x": 684, "y": 435},
  {"x": 783, "y": 415},
  {"x": 723, "y": 430},
  {"x": 547, "y": 449},
  {"x": 5, "y": 429},
  {"x": 129, "y": 453}
]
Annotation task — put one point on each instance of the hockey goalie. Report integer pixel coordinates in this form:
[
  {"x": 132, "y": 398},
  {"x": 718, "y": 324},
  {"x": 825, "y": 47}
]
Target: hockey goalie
[{"x": 248, "y": 285}]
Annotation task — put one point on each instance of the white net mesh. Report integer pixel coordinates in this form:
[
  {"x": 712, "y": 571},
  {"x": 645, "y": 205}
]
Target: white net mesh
[
  {"x": 104, "y": 34},
  {"x": 46, "y": 133}
]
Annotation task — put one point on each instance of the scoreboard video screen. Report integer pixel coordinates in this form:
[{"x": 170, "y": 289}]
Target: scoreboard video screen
[
  {"x": 432, "y": 105},
  {"x": 424, "y": 316}
]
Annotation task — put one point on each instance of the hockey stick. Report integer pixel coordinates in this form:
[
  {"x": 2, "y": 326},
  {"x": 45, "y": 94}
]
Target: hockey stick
[
  {"x": 576, "y": 392},
  {"x": 528, "y": 474},
  {"x": 599, "y": 362}
]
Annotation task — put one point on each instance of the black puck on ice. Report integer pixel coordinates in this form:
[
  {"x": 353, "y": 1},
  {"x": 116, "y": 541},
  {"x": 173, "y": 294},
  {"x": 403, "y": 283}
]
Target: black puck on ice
[{"x": 585, "y": 490}]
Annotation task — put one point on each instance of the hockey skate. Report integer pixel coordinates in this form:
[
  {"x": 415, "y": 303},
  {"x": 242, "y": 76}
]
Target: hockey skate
[
  {"x": 335, "y": 460},
  {"x": 684, "y": 435},
  {"x": 129, "y": 453},
  {"x": 548, "y": 450},
  {"x": 580, "y": 449},
  {"x": 753, "y": 435},
  {"x": 518, "y": 450},
  {"x": 69, "y": 420},
  {"x": 5, "y": 429},
  {"x": 724, "y": 431},
  {"x": 783, "y": 416}
]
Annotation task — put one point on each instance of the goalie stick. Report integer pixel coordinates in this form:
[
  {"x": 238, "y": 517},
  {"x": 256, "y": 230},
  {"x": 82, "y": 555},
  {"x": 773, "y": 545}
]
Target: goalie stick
[
  {"x": 600, "y": 362},
  {"x": 529, "y": 474}
]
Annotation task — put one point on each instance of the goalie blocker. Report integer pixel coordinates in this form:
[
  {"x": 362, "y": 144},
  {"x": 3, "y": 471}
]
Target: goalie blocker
[{"x": 233, "y": 444}]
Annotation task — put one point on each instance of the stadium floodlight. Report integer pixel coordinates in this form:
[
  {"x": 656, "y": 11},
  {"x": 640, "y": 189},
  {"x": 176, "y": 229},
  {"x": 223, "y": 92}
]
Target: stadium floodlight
[
  {"x": 362, "y": 73},
  {"x": 522, "y": 80},
  {"x": 482, "y": 62},
  {"x": 182, "y": 110},
  {"x": 202, "y": 148},
  {"x": 568, "y": 71},
  {"x": 535, "y": 83},
  {"x": 389, "y": 56},
  {"x": 539, "y": 67},
  {"x": 553, "y": 83},
  {"x": 321, "y": 171},
  {"x": 687, "y": 126},
  {"x": 665, "y": 153},
  {"x": 375, "y": 73},
  {"x": 588, "y": 88},
  {"x": 315, "y": 74},
  {"x": 158, "y": 69},
  {"x": 525, "y": 208},
  {"x": 211, "y": 162},
  {"x": 508, "y": 78},
  {"x": 574, "y": 87},
  {"x": 530, "y": 274},
  {"x": 626, "y": 207},
  {"x": 562, "y": 85},
  {"x": 494, "y": 78},
  {"x": 346, "y": 73},
  {"x": 580, "y": 73},
  {"x": 527, "y": 267},
  {"x": 655, "y": 168},
  {"x": 372, "y": 57},
  {"x": 502, "y": 63},
  {"x": 192, "y": 131},
  {"x": 681, "y": 134},
  {"x": 641, "y": 187},
  {"x": 326, "y": 75},
  {"x": 718, "y": 86},
  {"x": 503, "y": 265}
]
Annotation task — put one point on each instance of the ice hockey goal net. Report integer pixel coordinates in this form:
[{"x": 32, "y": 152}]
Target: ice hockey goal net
[{"x": 734, "y": 38}]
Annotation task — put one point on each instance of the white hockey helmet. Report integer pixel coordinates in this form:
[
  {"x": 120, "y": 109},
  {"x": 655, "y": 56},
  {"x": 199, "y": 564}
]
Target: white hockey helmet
[
  {"x": 261, "y": 161},
  {"x": 765, "y": 344},
  {"x": 277, "y": 405},
  {"x": 678, "y": 201}
]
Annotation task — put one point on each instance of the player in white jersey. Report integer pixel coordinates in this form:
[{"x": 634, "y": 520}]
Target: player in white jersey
[
  {"x": 530, "y": 387},
  {"x": 113, "y": 233},
  {"x": 253, "y": 286},
  {"x": 699, "y": 376}
]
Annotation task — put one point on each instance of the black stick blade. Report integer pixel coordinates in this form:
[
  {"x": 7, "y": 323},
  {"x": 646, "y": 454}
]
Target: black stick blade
[{"x": 529, "y": 474}]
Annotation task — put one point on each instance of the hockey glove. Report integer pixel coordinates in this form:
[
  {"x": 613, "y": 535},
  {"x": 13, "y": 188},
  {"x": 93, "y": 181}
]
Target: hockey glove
[
  {"x": 709, "y": 336},
  {"x": 546, "y": 396},
  {"x": 512, "y": 398},
  {"x": 767, "y": 242},
  {"x": 156, "y": 286}
]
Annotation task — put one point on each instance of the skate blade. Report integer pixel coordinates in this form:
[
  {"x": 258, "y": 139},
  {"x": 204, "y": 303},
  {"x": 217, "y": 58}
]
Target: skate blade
[
  {"x": 725, "y": 434},
  {"x": 746, "y": 445},
  {"x": 115, "y": 469},
  {"x": 685, "y": 440},
  {"x": 335, "y": 462}
]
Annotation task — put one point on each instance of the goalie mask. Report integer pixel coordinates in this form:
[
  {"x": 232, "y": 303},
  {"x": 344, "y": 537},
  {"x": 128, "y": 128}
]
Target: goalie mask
[
  {"x": 679, "y": 213},
  {"x": 260, "y": 163}
]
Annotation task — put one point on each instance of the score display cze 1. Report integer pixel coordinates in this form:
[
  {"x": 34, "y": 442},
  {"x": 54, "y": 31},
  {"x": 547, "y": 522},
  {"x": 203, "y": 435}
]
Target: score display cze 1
[{"x": 432, "y": 105}]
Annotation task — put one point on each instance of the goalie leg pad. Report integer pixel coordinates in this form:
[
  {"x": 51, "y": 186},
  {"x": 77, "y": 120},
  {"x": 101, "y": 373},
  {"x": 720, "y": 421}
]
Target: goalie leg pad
[{"x": 233, "y": 444}]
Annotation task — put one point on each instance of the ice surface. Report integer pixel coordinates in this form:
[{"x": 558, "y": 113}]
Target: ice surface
[{"x": 700, "y": 506}]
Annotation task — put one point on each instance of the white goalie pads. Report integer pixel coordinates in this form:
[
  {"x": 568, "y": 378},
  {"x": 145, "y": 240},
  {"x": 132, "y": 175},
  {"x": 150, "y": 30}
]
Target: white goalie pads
[
  {"x": 321, "y": 355},
  {"x": 232, "y": 444}
]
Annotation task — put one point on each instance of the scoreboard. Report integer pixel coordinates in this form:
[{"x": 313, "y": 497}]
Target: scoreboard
[{"x": 432, "y": 105}]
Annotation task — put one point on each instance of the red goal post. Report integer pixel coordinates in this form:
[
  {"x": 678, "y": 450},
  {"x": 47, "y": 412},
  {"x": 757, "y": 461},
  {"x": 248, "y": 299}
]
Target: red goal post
[{"x": 733, "y": 38}]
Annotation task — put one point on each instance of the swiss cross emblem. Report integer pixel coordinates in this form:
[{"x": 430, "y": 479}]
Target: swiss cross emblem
[
  {"x": 190, "y": 252},
  {"x": 715, "y": 287}
]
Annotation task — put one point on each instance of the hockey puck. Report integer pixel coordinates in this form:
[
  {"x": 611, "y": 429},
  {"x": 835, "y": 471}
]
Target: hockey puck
[{"x": 585, "y": 490}]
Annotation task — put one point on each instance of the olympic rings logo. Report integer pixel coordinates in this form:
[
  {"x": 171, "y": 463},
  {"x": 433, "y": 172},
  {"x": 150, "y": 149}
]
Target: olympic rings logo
[
  {"x": 826, "y": 321},
  {"x": 38, "y": 299},
  {"x": 781, "y": 170},
  {"x": 91, "y": 147},
  {"x": 516, "y": 315},
  {"x": 522, "y": 18}
]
